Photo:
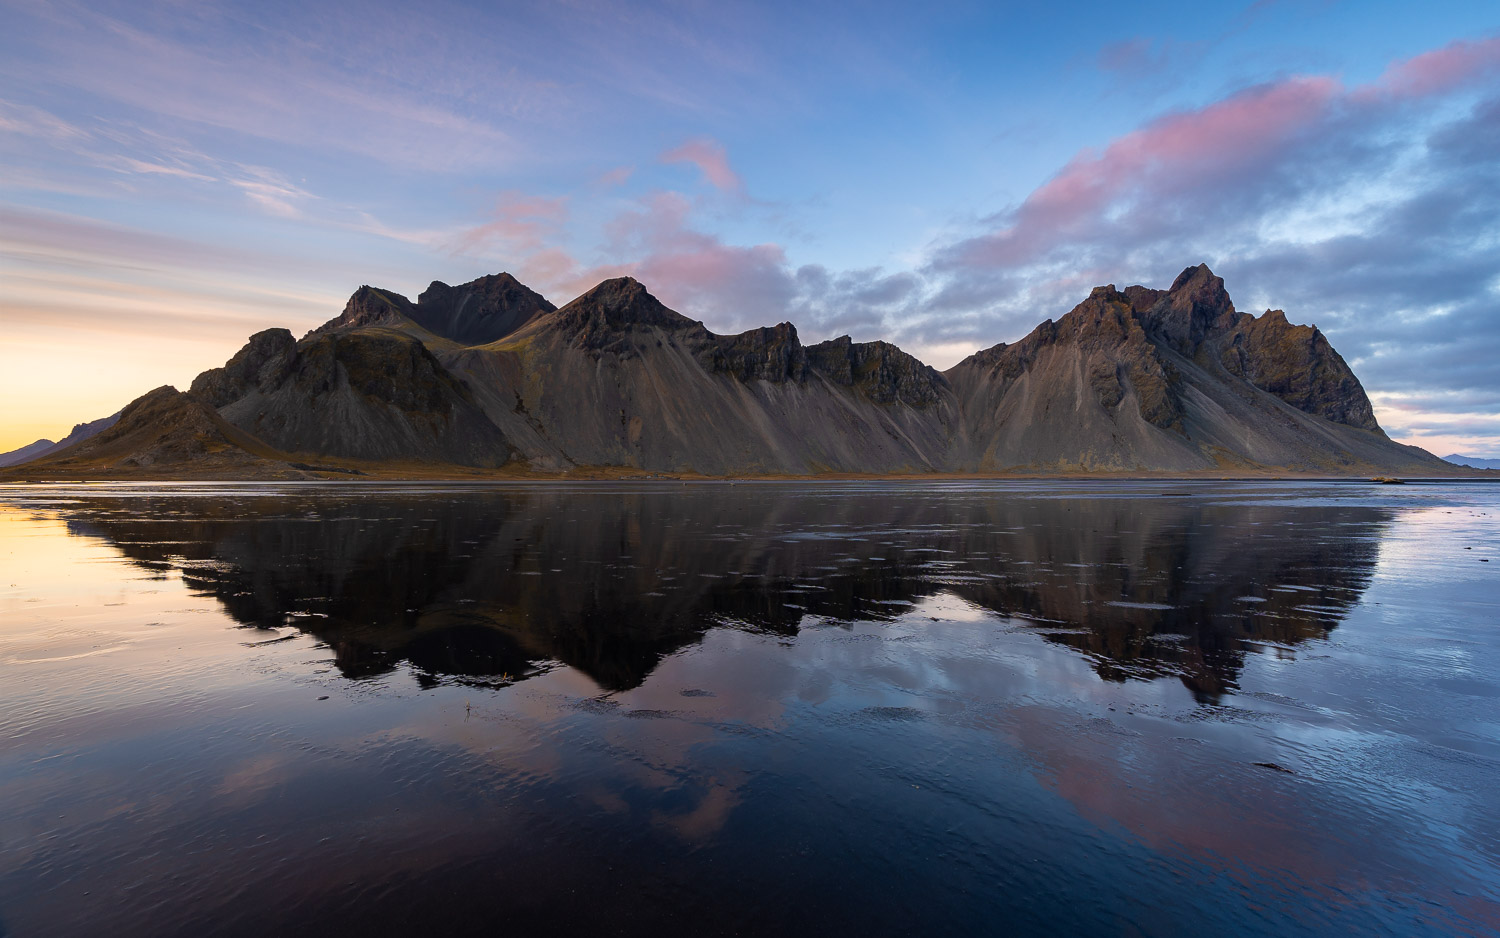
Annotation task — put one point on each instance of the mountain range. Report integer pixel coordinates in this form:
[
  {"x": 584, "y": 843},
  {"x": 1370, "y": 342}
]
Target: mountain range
[
  {"x": 1473, "y": 462},
  {"x": 489, "y": 377}
]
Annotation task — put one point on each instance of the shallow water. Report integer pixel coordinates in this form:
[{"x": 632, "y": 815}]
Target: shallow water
[{"x": 977, "y": 708}]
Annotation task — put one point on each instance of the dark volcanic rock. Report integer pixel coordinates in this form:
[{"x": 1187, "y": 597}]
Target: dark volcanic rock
[
  {"x": 1212, "y": 388},
  {"x": 1111, "y": 349},
  {"x": 480, "y": 311},
  {"x": 261, "y": 365},
  {"x": 1296, "y": 364},
  {"x": 370, "y": 306},
  {"x": 1196, "y": 305},
  {"x": 600, "y": 319},
  {"x": 878, "y": 370},
  {"x": 378, "y": 395},
  {"x": 1142, "y": 298},
  {"x": 771, "y": 353}
]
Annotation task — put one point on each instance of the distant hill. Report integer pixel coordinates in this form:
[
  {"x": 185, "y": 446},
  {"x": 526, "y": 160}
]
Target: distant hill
[
  {"x": 29, "y": 451},
  {"x": 1473, "y": 462},
  {"x": 42, "y": 448},
  {"x": 489, "y": 375}
]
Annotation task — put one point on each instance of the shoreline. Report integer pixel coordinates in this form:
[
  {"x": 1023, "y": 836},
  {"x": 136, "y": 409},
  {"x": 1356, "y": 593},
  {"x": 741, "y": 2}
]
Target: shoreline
[{"x": 607, "y": 474}]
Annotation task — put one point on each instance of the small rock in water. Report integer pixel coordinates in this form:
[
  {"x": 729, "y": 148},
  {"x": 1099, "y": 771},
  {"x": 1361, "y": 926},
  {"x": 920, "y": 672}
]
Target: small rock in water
[
  {"x": 324, "y": 697},
  {"x": 1274, "y": 767}
]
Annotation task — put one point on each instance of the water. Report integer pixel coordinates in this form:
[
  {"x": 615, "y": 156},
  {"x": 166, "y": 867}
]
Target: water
[{"x": 1022, "y": 708}]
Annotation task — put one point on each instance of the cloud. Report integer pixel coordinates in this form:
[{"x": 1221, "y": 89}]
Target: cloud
[
  {"x": 283, "y": 88},
  {"x": 25, "y": 120},
  {"x": 161, "y": 169},
  {"x": 520, "y": 224},
  {"x": 615, "y": 177},
  {"x": 1133, "y": 57},
  {"x": 270, "y": 191},
  {"x": 731, "y": 287},
  {"x": 712, "y": 161},
  {"x": 1440, "y": 70},
  {"x": 1176, "y": 155},
  {"x": 865, "y": 303},
  {"x": 142, "y": 161}
]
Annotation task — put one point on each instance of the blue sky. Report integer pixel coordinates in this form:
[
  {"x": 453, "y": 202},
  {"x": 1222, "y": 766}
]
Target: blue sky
[{"x": 175, "y": 176}]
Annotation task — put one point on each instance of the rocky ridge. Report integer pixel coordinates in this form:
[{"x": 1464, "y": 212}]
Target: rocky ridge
[{"x": 489, "y": 374}]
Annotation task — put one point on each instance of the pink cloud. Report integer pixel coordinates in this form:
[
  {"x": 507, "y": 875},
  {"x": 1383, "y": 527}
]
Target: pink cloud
[
  {"x": 712, "y": 161},
  {"x": 1215, "y": 151},
  {"x": 615, "y": 177},
  {"x": 1441, "y": 70},
  {"x": 732, "y": 287},
  {"x": 521, "y": 223},
  {"x": 1217, "y": 143},
  {"x": 1133, "y": 56}
]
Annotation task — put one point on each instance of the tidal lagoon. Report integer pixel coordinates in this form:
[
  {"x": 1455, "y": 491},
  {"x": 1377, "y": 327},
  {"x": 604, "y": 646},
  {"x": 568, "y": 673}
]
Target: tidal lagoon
[{"x": 1126, "y": 707}]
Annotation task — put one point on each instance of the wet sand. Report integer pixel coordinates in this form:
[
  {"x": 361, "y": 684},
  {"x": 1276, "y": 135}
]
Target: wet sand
[{"x": 635, "y": 707}]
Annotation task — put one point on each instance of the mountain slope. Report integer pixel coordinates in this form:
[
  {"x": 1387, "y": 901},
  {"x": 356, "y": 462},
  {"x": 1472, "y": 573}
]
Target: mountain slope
[{"x": 372, "y": 392}]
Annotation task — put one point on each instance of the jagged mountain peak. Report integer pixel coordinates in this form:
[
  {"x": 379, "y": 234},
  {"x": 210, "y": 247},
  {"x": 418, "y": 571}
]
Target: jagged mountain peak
[
  {"x": 475, "y": 313},
  {"x": 1198, "y": 274},
  {"x": 622, "y": 302},
  {"x": 262, "y": 360},
  {"x": 1297, "y": 364},
  {"x": 481, "y": 311},
  {"x": 1196, "y": 305},
  {"x": 369, "y": 306},
  {"x": 1127, "y": 344},
  {"x": 503, "y": 280}
]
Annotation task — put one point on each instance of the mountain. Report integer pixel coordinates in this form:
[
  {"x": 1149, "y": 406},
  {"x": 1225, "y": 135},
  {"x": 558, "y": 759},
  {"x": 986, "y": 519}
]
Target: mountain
[
  {"x": 42, "y": 448},
  {"x": 27, "y": 452},
  {"x": 473, "y": 313},
  {"x": 166, "y": 429},
  {"x": 489, "y": 375},
  {"x": 1170, "y": 379},
  {"x": 370, "y": 392},
  {"x": 616, "y": 378},
  {"x": 1472, "y": 462}
]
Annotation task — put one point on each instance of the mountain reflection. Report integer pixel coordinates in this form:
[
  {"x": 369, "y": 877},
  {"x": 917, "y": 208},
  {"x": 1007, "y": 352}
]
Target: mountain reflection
[{"x": 492, "y": 585}]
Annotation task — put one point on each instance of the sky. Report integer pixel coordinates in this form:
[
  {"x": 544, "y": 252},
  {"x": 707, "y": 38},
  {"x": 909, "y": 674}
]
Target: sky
[{"x": 175, "y": 176}]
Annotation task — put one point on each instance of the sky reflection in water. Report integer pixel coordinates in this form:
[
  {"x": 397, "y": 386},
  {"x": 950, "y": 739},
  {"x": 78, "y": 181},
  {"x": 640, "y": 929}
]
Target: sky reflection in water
[{"x": 1099, "y": 709}]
